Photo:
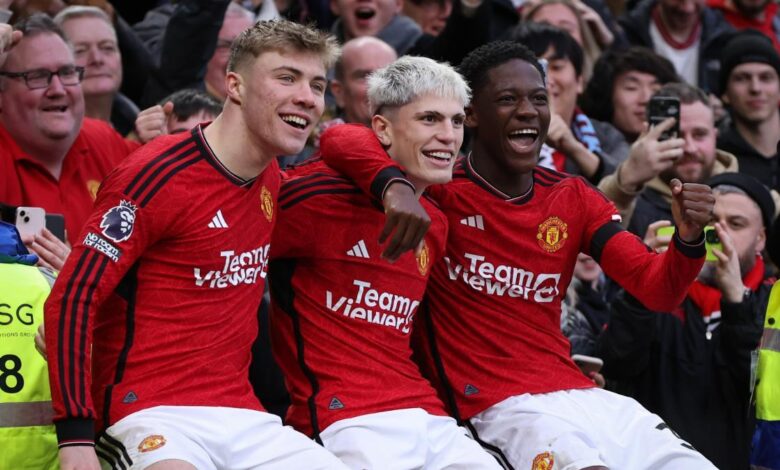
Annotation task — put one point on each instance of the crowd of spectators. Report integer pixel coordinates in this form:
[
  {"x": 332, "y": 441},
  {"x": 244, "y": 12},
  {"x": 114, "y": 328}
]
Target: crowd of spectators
[{"x": 84, "y": 83}]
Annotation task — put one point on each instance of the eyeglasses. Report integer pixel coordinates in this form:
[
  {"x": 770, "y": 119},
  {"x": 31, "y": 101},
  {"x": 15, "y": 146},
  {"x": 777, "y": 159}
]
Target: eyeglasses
[{"x": 41, "y": 78}]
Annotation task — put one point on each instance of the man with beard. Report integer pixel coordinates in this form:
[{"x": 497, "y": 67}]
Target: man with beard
[{"x": 692, "y": 364}]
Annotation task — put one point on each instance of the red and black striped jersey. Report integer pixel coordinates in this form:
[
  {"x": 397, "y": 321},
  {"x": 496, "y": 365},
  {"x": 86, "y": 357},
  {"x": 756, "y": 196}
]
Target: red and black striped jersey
[
  {"x": 492, "y": 326},
  {"x": 341, "y": 317},
  {"x": 164, "y": 282}
]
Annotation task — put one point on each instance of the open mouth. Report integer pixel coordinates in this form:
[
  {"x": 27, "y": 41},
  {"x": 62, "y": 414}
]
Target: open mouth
[
  {"x": 365, "y": 13},
  {"x": 524, "y": 137},
  {"x": 438, "y": 155},
  {"x": 55, "y": 109},
  {"x": 295, "y": 121}
]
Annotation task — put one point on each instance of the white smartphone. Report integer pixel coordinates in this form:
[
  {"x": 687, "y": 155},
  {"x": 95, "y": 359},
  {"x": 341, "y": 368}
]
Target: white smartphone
[
  {"x": 30, "y": 220},
  {"x": 587, "y": 364}
]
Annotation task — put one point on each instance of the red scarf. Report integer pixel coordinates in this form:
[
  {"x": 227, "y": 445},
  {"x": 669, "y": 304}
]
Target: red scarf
[
  {"x": 707, "y": 298},
  {"x": 740, "y": 22}
]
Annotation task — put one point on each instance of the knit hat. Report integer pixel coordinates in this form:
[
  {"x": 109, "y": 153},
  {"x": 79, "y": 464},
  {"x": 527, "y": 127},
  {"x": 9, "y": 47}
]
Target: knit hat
[
  {"x": 12, "y": 250},
  {"x": 754, "y": 189},
  {"x": 746, "y": 47}
]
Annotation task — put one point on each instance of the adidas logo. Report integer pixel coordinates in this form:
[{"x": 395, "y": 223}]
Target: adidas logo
[
  {"x": 474, "y": 221},
  {"x": 218, "y": 221},
  {"x": 130, "y": 398},
  {"x": 335, "y": 404},
  {"x": 470, "y": 390},
  {"x": 359, "y": 250}
]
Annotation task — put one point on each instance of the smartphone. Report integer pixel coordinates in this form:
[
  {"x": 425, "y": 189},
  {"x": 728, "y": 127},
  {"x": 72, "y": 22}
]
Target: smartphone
[
  {"x": 55, "y": 223},
  {"x": 659, "y": 109},
  {"x": 30, "y": 220},
  {"x": 587, "y": 364},
  {"x": 711, "y": 240}
]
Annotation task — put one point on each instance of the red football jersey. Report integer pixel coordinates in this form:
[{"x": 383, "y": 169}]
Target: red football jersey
[
  {"x": 493, "y": 322},
  {"x": 169, "y": 269},
  {"x": 341, "y": 317},
  {"x": 97, "y": 150}
]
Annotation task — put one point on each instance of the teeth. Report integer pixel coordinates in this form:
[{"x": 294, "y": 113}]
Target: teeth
[
  {"x": 440, "y": 155},
  {"x": 524, "y": 132},
  {"x": 299, "y": 121}
]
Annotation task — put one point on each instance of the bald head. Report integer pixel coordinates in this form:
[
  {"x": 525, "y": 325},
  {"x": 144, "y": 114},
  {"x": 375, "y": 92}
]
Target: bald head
[{"x": 359, "y": 58}]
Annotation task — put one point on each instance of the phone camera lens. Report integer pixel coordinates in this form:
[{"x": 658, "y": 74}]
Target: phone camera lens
[
  {"x": 22, "y": 213},
  {"x": 26, "y": 219}
]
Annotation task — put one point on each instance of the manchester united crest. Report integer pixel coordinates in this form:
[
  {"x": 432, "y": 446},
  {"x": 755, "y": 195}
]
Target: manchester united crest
[
  {"x": 151, "y": 443},
  {"x": 92, "y": 187},
  {"x": 423, "y": 260},
  {"x": 552, "y": 234},
  {"x": 267, "y": 203},
  {"x": 543, "y": 461}
]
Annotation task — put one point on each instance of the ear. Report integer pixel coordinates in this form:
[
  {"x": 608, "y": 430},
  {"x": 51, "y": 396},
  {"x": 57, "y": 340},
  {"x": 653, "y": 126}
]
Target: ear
[
  {"x": 725, "y": 98},
  {"x": 761, "y": 241},
  {"x": 399, "y": 5},
  {"x": 338, "y": 93},
  {"x": 471, "y": 117},
  {"x": 383, "y": 129},
  {"x": 580, "y": 85},
  {"x": 234, "y": 85}
]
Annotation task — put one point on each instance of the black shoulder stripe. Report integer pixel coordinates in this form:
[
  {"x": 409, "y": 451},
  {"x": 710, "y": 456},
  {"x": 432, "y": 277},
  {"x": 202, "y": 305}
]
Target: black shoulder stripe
[
  {"x": 171, "y": 152},
  {"x": 157, "y": 171},
  {"x": 311, "y": 194},
  {"x": 549, "y": 176},
  {"x": 193, "y": 158},
  {"x": 310, "y": 181},
  {"x": 552, "y": 173},
  {"x": 601, "y": 237}
]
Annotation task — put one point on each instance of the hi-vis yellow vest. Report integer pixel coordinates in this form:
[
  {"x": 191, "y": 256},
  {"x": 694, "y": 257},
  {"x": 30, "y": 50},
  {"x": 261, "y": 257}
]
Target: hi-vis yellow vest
[
  {"x": 768, "y": 389},
  {"x": 27, "y": 436}
]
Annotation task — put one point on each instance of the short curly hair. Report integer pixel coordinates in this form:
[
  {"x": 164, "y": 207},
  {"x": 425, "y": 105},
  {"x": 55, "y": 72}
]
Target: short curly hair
[{"x": 480, "y": 61}]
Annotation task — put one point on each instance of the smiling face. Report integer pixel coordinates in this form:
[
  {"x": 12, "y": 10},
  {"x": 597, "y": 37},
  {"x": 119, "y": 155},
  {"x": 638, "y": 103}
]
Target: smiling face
[
  {"x": 424, "y": 137},
  {"x": 561, "y": 16},
  {"x": 233, "y": 25},
  {"x": 46, "y": 114},
  {"x": 697, "y": 127},
  {"x": 365, "y": 17},
  {"x": 563, "y": 84},
  {"x": 631, "y": 92},
  {"x": 431, "y": 15},
  {"x": 95, "y": 48},
  {"x": 753, "y": 92},
  {"x": 282, "y": 96},
  {"x": 511, "y": 115}
]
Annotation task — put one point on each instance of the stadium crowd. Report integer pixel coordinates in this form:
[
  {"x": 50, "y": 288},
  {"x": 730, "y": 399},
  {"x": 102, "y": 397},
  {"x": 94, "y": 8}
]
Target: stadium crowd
[{"x": 389, "y": 234}]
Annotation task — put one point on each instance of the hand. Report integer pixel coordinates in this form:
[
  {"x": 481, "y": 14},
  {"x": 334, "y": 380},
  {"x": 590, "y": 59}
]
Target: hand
[
  {"x": 40, "y": 341},
  {"x": 51, "y": 251},
  {"x": 728, "y": 274},
  {"x": 559, "y": 133},
  {"x": 659, "y": 243},
  {"x": 649, "y": 157},
  {"x": 8, "y": 39},
  {"x": 153, "y": 122},
  {"x": 78, "y": 458},
  {"x": 593, "y": 20},
  {"x": 406, "y": 217},
  {"x": 597, "y": 379},
  {"x": 692, "y": 206}
]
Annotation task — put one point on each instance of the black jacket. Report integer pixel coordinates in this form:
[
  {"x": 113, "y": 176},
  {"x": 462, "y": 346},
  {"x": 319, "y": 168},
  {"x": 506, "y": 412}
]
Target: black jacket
[
  {"x": 766, "y": 170},
  {"x": 715, "y": 32},
  {"x": 699, "y": 383}
]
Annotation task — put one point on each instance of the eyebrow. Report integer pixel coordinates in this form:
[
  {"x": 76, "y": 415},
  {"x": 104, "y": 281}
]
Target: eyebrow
[
  {"x": 298, "y": 72},
  {"x": 437, "y": 114}
]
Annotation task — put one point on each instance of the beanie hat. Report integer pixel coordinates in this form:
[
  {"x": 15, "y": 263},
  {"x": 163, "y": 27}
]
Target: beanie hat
[
  {"x": 746, "y": 47},
  {"x": 754, "y": 189}
]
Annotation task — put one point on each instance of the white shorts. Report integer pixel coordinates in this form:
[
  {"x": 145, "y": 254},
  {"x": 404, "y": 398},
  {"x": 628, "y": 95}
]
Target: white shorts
[
  {"x": 574, "y": 429},
  {"x": 403, "y": 440},
  {"x": 209, "y": 438}
]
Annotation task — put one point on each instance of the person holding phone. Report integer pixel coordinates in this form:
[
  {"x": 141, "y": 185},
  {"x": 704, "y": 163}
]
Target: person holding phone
[{"x": 692, "y": 364}]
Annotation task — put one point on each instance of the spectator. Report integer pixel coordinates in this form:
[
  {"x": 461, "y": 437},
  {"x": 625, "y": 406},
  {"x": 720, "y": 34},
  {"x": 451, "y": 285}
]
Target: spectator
[
  {"x": 686, "y": 32},
  {"x": 760, "y": 15},
  {"x": 430, "y": 15},
  {"x": 585, "y": 310},
  {"x": 575, "y": 144},
  {"x": 237, "y": 19},
  {"x": 692, "y": 364},
  {"x": 766, "y": 440},
  {"x": 51, "y": 156},
  {"x": 93, "y": 38},
  {"x": 190, "y": 108},
  {"x": 750, "y": 83},
  {"x": 640, "y": 188},
  {"x": 626, "y": 81},
  {"x": 27, "y": 435}
]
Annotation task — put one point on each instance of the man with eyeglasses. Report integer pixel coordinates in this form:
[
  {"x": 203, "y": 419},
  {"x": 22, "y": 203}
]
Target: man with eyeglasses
[{"x": 51, "y": 156}]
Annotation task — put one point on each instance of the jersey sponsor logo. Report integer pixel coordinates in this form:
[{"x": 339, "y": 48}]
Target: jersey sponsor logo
[
  {"x": 237, "y": 269},
  {"x": 359, "y": 250},
  {"x": 504, "y": 280},
  {"x": 470, "y": 390},
  {"x": 424, "y": 259},
  {"x": 150, "y": 443},
  {"x": 92, "y": 187},
  {"x": 100, "y": 244},
  {"x": 552, "y": 234},
  {"x": 543, "y": 461},
  {"x": 474, "y": 221},
  {"x": 335, "y": 404},
  {"x": 373, "y": 306},
  {"x": 118, "y": 222},
  {"x": 267, "y": 203},
  {"x": 218, "y": 221}
]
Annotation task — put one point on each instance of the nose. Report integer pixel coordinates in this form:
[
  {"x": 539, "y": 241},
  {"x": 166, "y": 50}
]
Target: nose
[
  {"x": 525, "y": 109},
  {"x": 755, "y": 83},
  {"x": 94, "y": 56},
  {"x": 446, "y": 133},
  {"x": 690, "y": 144},
  {"x": 645, "y": 93},
  {"x": 55, "y": 88},
  {"x": 305, "y": 96}
]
